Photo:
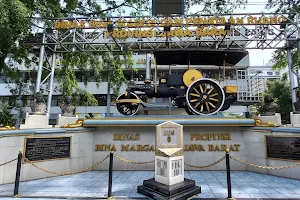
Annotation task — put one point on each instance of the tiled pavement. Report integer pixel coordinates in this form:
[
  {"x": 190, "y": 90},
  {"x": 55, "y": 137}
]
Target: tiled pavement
[{"x": 213, "y": 185}]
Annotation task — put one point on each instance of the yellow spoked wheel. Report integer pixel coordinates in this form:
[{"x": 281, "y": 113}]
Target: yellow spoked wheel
[
  {"x": 128, "y": 106},
  {"x": 205, "y": 97}
]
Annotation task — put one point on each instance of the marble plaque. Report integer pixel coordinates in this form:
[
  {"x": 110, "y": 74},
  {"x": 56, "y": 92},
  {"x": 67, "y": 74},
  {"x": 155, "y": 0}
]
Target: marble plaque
[
  {"x": 169, "y": 135},
  {"x": 176, "y": 168},
  {"x": 162, "y": 168}
]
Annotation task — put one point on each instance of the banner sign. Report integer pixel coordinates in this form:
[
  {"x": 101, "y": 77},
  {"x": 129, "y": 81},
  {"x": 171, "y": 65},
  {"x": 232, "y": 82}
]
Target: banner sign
[{"x": 181, "y": 27}]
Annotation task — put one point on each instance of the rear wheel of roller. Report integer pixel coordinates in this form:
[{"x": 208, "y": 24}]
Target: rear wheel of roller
[
  {"x": 128, "y": 105},
  {"x": 205, "y": 97}
]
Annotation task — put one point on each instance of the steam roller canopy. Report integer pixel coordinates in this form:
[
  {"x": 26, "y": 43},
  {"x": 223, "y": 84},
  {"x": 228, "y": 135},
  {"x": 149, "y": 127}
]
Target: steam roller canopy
[
  {"x": 205, "y": 97},
  {"x": 190, "y": 76},
  {"x": 128, "y": 106}
]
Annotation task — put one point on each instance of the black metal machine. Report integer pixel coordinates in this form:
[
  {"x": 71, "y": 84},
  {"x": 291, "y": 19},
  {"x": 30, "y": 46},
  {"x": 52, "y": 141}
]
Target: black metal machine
[{"x": 190, "y": 90}]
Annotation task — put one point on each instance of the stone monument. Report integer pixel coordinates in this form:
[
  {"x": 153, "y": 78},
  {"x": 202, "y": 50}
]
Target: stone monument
[
  {"x": 68, "y": 113},
  {"x": 269, "y": 113},
  {"x": 169, "y": 181},
  {"x": 295, "y": 116},
  {"x": 39, "y": 117}
]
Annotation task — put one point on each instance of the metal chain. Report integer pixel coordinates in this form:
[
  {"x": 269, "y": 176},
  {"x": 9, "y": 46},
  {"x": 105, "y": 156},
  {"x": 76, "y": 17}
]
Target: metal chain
[
  {"x": 8, "y": 162},
  {"x": 204, "y": 166},
  {"x": 133, "y": 162},
  {"x": 65, "y": 173},
  {"x": 264, "y": 167}
]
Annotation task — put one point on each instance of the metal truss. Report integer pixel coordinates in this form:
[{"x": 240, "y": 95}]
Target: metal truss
[{"x": 242, "y": 35}]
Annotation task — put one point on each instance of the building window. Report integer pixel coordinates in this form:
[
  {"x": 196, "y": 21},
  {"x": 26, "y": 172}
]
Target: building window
[
  {"x": 277, "y": 73},
  {"x": 270, "y": 73}
]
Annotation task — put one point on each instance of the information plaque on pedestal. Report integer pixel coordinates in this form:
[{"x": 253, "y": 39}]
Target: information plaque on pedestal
[{"x": 169, "y": 181}]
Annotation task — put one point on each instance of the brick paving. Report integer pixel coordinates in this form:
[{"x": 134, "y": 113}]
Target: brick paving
[{"x": 94, "y": 184}]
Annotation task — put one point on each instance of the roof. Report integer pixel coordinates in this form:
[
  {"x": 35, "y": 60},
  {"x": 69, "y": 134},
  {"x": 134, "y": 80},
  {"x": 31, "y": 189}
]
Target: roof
[{"x": 198, "y": 56}]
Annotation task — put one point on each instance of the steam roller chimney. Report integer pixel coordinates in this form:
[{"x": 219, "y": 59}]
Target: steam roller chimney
[{"x": 148, "y": 68}]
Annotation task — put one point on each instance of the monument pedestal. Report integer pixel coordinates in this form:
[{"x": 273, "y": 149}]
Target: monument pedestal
[
  {"x": 169, "y": 181},
  {"x": 169, "y": 170},
  {"x": 64, "y": 120},
  {"x": 180, "y": 191},
  {"x": 274, "y": 119},
  {"x": 295, "y": 119},
  {"x": 36, "y": 121}
]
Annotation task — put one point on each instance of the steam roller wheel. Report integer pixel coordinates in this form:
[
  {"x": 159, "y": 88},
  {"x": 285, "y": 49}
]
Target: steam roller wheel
[
  {"x": 205, "y": 97},
  {"x": 130, "y": 105}
]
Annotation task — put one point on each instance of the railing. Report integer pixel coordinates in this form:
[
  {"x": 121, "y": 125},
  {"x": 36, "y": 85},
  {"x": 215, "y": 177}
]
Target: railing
[{"x": 111, "y": 156}]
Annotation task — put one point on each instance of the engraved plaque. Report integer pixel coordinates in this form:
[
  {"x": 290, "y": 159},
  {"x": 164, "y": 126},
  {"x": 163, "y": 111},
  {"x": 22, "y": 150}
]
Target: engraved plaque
[
  {"x": 176, "y": 167},
  {"x": 169, "y": 136},
  {"x": 47, "y": 148},
  {"x": 283, "y": 147},
  {"x": 162, "y": 168}
]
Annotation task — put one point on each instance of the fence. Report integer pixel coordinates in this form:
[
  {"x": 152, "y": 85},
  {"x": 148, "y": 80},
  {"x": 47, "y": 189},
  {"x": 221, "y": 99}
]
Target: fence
[{"x": 111, "y": 157}]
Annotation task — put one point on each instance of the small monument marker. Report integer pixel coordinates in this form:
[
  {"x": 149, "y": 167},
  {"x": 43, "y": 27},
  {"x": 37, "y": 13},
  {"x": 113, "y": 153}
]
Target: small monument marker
[{"x": 169, "y": 181}]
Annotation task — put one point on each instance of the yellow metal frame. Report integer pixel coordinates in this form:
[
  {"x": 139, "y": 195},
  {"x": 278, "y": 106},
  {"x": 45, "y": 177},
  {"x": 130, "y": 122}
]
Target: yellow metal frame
[
  {"x": 128, "y": 101},
  {"x": 190, "y": 76},
  {"x": 230, "y": 89}
]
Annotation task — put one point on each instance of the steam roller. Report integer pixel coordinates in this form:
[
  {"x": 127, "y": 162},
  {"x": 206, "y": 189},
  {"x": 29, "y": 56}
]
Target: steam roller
[
  {"x": 190, "y": 90},
  {"x": 197, "y": 95}
]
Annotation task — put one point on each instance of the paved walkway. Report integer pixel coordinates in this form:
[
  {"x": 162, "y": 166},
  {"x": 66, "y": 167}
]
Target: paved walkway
[{"x": 213, "y": 185}]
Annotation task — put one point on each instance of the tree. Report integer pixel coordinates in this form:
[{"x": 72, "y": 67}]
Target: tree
[
  {"x": 290, "y": 6},
  {"x": 279, "y": 58},
  {"x": 214, "y": 6},
  {"x": 279, "y": 89},
  {"x": 14, "y": 26},
  {"x": 5, "y": 118},
  {"x": 17, "y": 26}
]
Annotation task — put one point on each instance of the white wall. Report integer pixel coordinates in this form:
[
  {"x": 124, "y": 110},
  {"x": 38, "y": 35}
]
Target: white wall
[
  {"x": 82, "y": 143},
  {"x": 147, "y": 137},
  {"x": 256, "y": 154},
  {"x": 252, "y": 150}
]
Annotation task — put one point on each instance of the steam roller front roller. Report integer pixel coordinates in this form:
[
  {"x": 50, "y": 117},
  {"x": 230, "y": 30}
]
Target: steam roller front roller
[
  {"x": 205, "y": 97},
  {"x": 129, "y": 104}
]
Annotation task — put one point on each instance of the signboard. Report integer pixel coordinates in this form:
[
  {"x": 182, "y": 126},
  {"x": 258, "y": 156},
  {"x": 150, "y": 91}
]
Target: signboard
[
  {"x": 47, "y": 148},
  {"x": 283, "y": 147},
  {"x": 181, "y": 27},
  {"x": 169, "y": 135}
]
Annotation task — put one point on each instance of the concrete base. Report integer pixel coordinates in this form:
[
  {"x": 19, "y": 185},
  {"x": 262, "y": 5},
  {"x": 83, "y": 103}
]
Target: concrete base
[
  {"x": 275, "y": 119},
  {"x": 33, "y": 121},
  {"x": 64, "y": 120},
  {"x": 179, "y": 191},
  {"x": 169, "y": 170},
  {"x": 295, "y": 119}
]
